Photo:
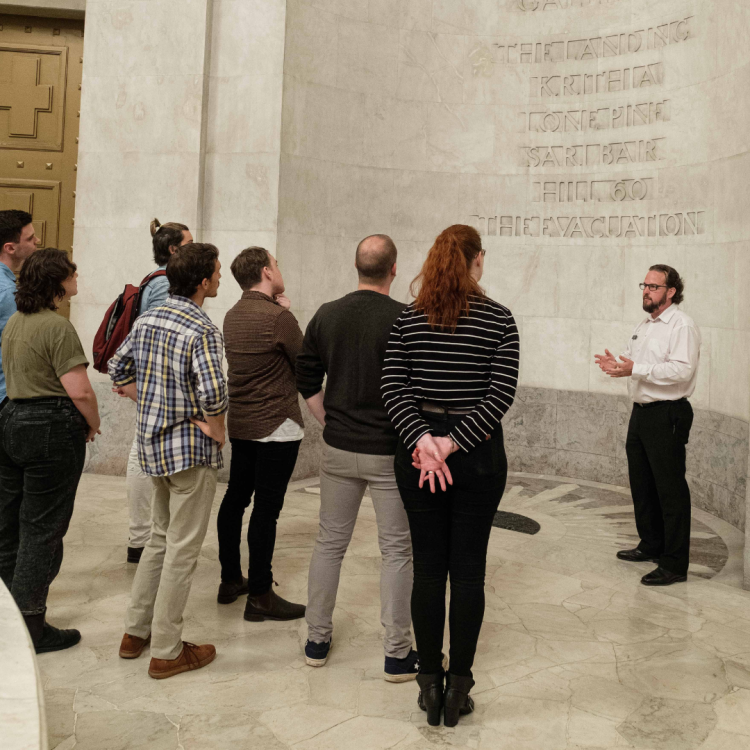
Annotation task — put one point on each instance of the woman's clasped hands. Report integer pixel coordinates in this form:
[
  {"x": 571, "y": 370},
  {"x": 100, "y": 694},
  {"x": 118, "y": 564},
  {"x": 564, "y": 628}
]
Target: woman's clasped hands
[{"x": 429, "y": 457}]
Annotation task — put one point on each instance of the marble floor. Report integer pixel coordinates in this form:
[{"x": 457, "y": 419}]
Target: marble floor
[{"x": 574, "y": 652}]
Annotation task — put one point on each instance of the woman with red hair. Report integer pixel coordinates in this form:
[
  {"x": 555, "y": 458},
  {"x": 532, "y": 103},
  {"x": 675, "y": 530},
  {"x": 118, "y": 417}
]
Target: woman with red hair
[{"x": 449, "y": 376}]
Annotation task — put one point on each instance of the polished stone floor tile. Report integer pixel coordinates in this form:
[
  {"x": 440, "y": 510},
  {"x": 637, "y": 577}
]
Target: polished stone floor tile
[{"x": 574, "y": 653}]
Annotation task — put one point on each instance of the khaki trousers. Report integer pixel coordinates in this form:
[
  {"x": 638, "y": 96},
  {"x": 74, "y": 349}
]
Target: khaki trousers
[
  {"x": 344, "y": 476},
  {"x": 140, "y": 489},
  {"x": 181, "y": 509}
]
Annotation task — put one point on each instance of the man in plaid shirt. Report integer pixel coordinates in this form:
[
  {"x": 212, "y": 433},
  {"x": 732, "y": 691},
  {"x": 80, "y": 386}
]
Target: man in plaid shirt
[{"x": 171, "y": 366}]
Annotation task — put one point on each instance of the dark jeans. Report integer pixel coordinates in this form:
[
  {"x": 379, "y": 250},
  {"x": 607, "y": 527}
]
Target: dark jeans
[
  {"x": 42, "y": 451},
  {"x": 450, "y": 532},
  {"x": 265, "y": 469},
  {"x": 655, "y": 446}
]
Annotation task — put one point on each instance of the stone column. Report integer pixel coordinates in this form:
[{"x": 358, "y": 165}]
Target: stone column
[
  {"x": 243, "y": 133},
  {"x": 142, "y": 155}
]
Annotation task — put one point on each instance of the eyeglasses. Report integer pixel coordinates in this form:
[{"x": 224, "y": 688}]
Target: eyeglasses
[
  {"x": 652, "y": 287},
  {"x": 484, "y": 252}
]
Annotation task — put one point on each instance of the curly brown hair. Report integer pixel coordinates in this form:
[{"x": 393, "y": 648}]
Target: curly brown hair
[
  {"x": 40, "y": 281},
  {"x": 443, "y": 286},
  {"x": 673, "y": 281}
]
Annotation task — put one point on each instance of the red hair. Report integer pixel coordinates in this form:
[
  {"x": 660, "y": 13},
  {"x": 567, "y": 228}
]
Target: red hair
[{"x": 445, "y": 282}]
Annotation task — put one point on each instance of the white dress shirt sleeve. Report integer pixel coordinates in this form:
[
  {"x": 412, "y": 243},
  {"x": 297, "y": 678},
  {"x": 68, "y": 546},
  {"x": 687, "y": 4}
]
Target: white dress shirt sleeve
[
  {"x": 681, "y": 362},
  {"x": 627, "y": 352}
]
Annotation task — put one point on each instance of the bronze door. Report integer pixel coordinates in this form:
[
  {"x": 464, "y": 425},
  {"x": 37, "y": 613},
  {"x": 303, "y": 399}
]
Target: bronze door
[{"x": 40, "y": 96}]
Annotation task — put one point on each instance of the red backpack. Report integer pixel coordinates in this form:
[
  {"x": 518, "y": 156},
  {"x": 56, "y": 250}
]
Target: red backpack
[{"x": 118, "y": 320}]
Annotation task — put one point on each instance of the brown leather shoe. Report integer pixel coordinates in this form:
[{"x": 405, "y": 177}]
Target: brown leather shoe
[
  {"x": 191, "y": 657},
  {"x": 270, "y": 606},
  {"x": 132, "y": 646}
]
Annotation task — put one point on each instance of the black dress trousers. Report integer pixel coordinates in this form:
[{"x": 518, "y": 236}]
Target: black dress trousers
[{"x": 655, "y": 446}]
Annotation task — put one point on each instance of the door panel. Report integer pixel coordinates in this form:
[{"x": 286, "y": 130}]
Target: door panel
[
  {"x": 41, "y": 198},
  {"x": 40, "y": 81},
  {"x": 40, "y": 94}
]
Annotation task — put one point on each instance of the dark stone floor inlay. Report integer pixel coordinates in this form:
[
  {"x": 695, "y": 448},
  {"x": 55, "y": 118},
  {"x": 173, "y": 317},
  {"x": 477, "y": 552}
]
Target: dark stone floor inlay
[{"x": 515, "y": 522}]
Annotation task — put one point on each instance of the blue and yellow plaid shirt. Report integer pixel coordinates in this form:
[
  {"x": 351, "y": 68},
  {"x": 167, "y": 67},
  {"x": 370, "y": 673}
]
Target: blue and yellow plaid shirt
[{"x": 174, "y": 355}]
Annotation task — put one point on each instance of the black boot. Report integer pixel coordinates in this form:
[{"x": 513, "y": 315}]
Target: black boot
[
  {"x": 431, "y": 696},
  {"x": 230, "y": 591},
  {"x": 269, "y": 606},
  {"x": 47, "y": 638},
  {"x": 35, "y": 625},
  {"x": 457, "y": 700}
]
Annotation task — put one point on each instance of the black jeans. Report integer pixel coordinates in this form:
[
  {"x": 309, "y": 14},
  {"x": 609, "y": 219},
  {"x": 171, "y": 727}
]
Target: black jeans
[
  {"x": 265, "y": 469},
  {"x": 655, "y": 446},
  {"x": 450, "y": 532},
  {"x": 42, "y": 451}
]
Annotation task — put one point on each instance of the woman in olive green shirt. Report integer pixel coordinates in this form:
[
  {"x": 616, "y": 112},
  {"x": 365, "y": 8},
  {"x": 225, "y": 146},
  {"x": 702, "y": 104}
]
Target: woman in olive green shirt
[{"x": 44, "y": 427}]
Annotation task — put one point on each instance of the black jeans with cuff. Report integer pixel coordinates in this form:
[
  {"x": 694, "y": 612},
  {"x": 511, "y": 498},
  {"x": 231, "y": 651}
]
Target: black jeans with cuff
[
  {"x": 450, "y": 532},
  {"x": 42, "y": 452},
  {"x": 264, "y": 469},
  {"x": 655, "y": 446}
]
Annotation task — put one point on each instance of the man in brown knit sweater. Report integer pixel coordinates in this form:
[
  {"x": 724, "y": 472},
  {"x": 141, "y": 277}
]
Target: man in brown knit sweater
[{"x": 262, "y": 340}]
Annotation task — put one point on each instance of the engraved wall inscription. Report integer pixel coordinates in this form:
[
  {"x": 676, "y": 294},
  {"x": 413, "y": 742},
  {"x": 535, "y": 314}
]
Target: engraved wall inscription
[
  {"x": 541, "y": 5},
  {"x": 593, "y": 154},
  {"x": 600, "y": 80},
  {"x": 608, "y": 82},
  {"x": 595, "y": 118},
  {"x": 682, "y": 224},
  {"x": 594, "y": 48},
  {"x": 596, "y": 191}
]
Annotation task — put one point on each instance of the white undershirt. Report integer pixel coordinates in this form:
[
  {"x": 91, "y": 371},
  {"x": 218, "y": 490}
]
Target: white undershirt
[
  {"x": 666, "y": 353},
  {"x": 286, "y": 432}
]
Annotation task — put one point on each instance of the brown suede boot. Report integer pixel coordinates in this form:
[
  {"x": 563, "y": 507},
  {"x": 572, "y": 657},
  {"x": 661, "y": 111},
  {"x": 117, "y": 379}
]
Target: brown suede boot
[
  {"x": 191, "y": 657},
  {"x": 132, "y": 646},
  {"x": 270, "y": 606}
]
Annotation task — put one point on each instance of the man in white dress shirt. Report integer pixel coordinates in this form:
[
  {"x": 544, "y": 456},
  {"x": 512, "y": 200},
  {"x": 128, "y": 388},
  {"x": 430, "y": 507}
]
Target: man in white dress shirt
[{"x": 661, "y": 361}]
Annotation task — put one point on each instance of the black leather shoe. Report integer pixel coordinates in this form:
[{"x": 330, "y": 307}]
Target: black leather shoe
[
  {"x": 431, "y": 696},
  {"x": 270, "y": 606},
  {"x": 635, "y": 555},
  {"x": 134, "y": 554},
  {"x": 54, "y": 639},
  {"x": 661, "y": 577},
  {"x": 229, "y": 591},
  {"x": 457, "y": 701}
]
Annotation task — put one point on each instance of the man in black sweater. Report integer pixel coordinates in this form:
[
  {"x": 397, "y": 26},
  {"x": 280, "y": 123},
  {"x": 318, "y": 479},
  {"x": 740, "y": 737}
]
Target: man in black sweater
[{"x": 346, "y": 341}]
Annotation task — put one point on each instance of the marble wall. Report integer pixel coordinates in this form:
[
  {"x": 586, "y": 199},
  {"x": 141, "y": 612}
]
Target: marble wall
[
  {"x": 586, "y": 139},
  {"x": 582, "y": 435}
]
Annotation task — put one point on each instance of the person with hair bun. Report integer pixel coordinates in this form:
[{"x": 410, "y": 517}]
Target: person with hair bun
[
  {"x": 51, "y": 415},
  {"x": 449, "y": 376},
  {"x": 166, "y": 239},
  {"x": 661, "y": 364}
]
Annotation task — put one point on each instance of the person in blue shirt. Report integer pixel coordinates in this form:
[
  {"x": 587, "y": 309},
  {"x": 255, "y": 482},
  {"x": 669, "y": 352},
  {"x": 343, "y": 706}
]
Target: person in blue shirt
[
  {"x": 17, "y": 242},
  {"x": 166, "y": 239}
]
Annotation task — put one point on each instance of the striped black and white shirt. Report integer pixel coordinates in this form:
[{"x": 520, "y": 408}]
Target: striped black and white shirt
[{"x": 474, "y": 368}]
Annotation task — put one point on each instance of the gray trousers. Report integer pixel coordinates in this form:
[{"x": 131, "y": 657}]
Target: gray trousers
[{"x": 344, "y": 476}]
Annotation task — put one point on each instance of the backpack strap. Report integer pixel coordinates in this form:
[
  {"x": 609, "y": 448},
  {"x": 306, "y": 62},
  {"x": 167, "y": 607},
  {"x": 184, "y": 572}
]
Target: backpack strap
[{"x": 152, "y": 275}]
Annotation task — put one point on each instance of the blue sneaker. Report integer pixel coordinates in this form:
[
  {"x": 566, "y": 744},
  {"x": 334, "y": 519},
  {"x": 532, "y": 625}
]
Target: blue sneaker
[
  {"x": 316, "y": 654},
  {"x": 401, "y": 670}
]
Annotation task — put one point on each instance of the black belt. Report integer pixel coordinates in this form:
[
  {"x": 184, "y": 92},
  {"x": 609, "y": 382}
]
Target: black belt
[
  {"x": 57, "y": 400},
  {"x": 658, "y": 403},
  {"x": 433, "y": 408}
]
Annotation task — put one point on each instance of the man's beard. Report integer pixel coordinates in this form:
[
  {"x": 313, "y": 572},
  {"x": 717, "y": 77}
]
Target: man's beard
[{"x": 649, "y": 306}]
